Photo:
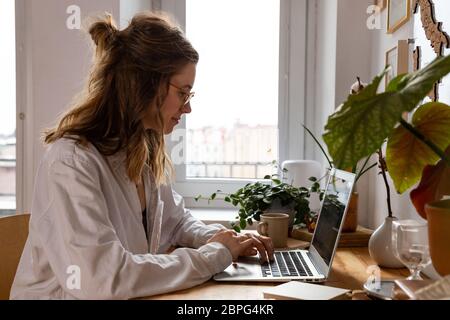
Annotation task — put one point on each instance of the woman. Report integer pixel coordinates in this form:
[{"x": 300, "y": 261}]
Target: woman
[{"x": 104, "y": 213}]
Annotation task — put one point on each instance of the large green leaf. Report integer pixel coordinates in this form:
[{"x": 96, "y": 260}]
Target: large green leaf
[
  {"x": 365, "y": 120},
  {"x": 349, "y": 131},
  {"x": 419, "y": 84},
  {"x": 406, "y": 156}
]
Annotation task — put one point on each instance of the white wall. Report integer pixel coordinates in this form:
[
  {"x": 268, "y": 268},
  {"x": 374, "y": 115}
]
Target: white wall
[
  {"x": 129, "y": 8},
  {"x": 325, "y": 67},
  {"x": 53, "y": 64},
  {"x": 353, "y": 56},
  {"x": 341, "y": 51},
  {"x": 401, "y": 204},
  {"x": 353, "y": 46}
]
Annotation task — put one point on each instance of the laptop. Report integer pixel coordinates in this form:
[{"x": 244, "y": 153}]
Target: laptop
[{"x": 314, "y": 264}]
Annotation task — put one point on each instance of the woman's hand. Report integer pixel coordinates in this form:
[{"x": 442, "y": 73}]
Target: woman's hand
[{"x": 244, "y": 244}]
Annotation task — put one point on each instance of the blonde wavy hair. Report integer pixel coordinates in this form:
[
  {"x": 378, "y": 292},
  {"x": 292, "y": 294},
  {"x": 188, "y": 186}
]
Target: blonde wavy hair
[{"x": 131, "y": 73}]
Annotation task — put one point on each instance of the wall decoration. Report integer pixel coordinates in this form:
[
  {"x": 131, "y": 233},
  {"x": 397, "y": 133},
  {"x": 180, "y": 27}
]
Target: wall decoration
[
  {"x": 433, "y": 30},
  {"x": 399, "y": 12},
  {"x": 439, "y": 40},
  {"x": 398, "y": 59},
  {"x": 416, "y": 59}
]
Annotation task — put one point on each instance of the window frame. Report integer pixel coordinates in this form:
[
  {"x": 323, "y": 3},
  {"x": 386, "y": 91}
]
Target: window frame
[
  {"x": 291, "y": 108},
  {"x": 24, "y": 111}
]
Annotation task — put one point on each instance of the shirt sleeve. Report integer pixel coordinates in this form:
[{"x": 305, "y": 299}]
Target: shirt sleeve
[
  {"x": 186, "y": 230},
  {"x": 81, "y": 234}
]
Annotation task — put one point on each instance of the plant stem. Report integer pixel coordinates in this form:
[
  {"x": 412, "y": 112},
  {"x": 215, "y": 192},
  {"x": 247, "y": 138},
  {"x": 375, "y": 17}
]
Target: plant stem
[
  {"x": 425, "y": 140},
  {"x": 383, "y": 168},
  {"x": 361, "y": 173},
  {"x": 320, "y": 146}
]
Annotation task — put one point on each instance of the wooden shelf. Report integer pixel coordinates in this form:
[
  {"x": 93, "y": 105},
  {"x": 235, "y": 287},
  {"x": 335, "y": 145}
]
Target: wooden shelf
[{"x": 359, "y": 238}]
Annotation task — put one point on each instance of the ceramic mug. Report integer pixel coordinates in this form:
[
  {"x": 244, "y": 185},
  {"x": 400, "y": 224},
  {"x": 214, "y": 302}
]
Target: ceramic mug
[{"x": 275, "y": 226}]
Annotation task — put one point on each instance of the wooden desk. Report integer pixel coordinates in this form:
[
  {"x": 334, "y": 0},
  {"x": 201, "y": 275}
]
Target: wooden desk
[{"x": 349, "y": 271}]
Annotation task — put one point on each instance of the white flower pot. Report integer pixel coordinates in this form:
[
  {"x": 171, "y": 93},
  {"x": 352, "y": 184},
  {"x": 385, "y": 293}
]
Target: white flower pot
[{"x": 381, "y": 248}]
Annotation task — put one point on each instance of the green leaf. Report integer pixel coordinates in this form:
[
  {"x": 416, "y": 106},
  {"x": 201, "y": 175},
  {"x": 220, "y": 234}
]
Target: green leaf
[
  {"x": 406, "y": 156},
  {"x": 365, "y": 120},
  {"x": 227, "y": 199},
  {"x": 397, "y": 83},
  {"x": 347, "y": 130},
  {"x": 197, "y": 198},
  {"x": 213, "y": 196},
  {"x": 243, "y": 224},
  {"x": 268, "y": 177},
  {"x": 276, "y": 181},
  {"x": 313, "y": 179},
  {"x": 420, "y": 83}
]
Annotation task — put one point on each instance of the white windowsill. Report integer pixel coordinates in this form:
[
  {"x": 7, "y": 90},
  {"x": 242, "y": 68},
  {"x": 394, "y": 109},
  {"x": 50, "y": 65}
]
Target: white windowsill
[{"x": 221, "y": 216}]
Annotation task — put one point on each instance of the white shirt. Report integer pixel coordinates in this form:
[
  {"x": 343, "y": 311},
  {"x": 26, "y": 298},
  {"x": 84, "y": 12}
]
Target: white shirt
[{"x": 87, "y": 241}]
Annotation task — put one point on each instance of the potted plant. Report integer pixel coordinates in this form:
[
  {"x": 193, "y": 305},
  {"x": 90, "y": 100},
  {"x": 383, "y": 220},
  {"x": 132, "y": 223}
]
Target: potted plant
[
  {"x": 417, "y": 150},
  {"x": 272, "y": 194}
]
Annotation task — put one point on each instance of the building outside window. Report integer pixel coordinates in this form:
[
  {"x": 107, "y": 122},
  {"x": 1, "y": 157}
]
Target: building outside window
[{"x": 233, "y": 129}]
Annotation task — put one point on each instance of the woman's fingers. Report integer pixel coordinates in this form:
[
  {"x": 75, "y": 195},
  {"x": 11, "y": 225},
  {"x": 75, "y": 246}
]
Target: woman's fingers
[
  {"x": 260, "y": 247},
  {"x": 247, "y": 246},
  {"x": 265, "y": 245},
  {"x": 250, "y": 252},
  {"x": 268, "y": 244}
]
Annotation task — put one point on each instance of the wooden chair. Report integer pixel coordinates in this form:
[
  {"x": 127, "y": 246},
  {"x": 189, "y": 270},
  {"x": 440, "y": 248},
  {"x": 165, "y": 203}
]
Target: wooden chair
[{"x": 13, "y": 235}]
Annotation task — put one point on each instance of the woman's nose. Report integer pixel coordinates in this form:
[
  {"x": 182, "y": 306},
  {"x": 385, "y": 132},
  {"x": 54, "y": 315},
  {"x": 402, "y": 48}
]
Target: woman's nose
[{"x": 186, "y": 108}]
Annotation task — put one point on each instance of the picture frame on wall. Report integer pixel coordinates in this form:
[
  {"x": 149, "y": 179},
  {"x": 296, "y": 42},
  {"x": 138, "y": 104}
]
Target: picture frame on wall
[
  {"x": 399, "y": 13},
  {"x": 398, "y": 59},
  {"x": 382, "y": 4}
]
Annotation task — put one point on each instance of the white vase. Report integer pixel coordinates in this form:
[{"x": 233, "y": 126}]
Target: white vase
[{"x": 381, "y": 248}]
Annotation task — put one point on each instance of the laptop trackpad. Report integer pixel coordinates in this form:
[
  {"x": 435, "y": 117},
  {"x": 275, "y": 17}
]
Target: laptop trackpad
[{"x": 245, "y": 268}]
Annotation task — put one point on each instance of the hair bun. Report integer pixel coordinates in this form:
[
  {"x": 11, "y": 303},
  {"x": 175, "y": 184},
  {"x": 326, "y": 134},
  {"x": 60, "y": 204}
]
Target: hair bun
[{"x": 103, "y": 32}]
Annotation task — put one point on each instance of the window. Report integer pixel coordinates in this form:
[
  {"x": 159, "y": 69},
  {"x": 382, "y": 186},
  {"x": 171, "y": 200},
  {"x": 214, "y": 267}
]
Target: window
[
  {"x": 250, "y": 92},
  {"x": 7, "y": 108},
  {"x": 233, "y": 130}
]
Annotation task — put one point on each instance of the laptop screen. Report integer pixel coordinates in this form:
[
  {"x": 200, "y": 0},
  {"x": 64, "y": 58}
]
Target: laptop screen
[{"x": 331, "y": 215}]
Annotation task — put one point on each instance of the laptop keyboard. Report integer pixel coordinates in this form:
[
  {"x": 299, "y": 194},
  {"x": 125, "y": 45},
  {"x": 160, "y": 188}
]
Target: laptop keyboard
[{"x": 286, "y": 264}]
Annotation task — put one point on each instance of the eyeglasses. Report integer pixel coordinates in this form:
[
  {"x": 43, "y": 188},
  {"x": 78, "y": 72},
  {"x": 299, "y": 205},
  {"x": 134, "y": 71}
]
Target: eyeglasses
[{"x": 186, "y": 96}]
